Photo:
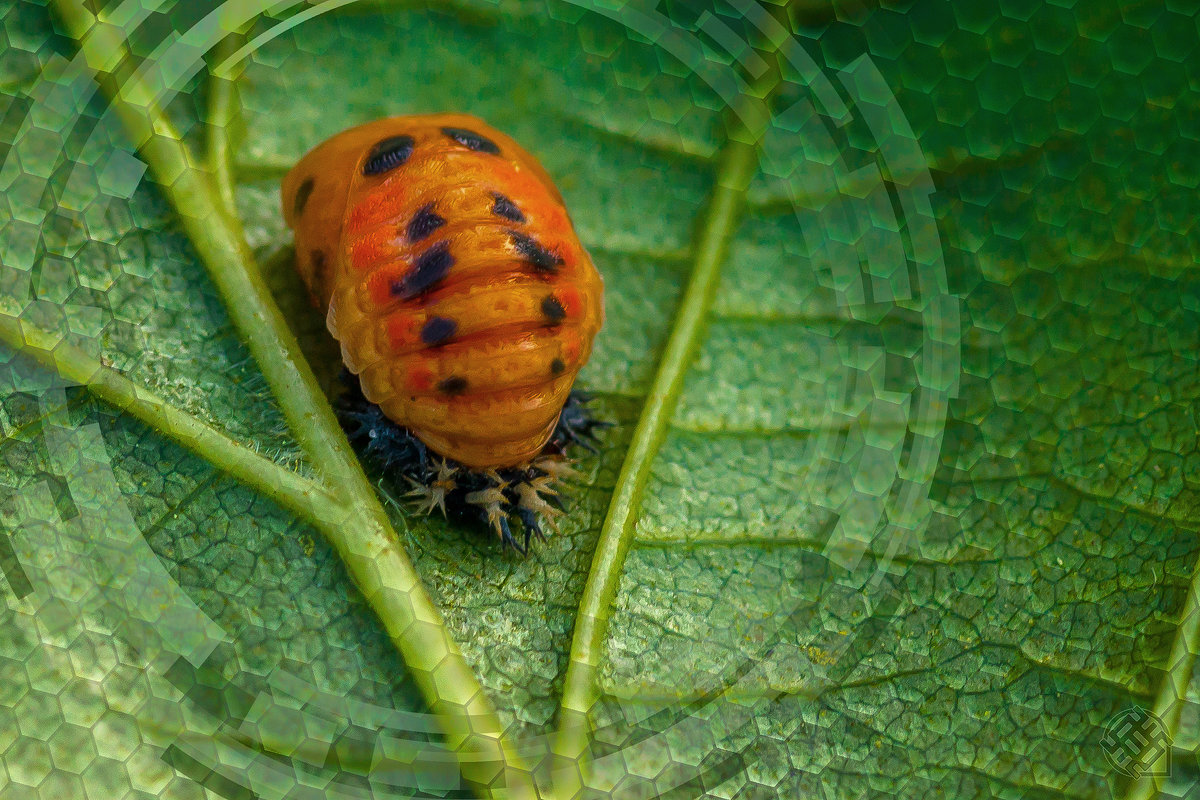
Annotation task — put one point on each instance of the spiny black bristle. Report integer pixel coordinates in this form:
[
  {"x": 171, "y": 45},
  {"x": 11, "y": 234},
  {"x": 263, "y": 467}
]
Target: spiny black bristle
[
  {"x": 377, "y": 437},
  {"x": 407, "y": 463},
  {"x": 576, "y": 425},
  {"x": 531, "y": 523},
  {"x": 508, "y": 537}
]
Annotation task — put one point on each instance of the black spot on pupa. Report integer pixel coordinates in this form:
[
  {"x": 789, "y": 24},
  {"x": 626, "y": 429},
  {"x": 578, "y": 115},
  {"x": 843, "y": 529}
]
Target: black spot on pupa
[
  {"x": 553, "y": 309},
  {"x": 557, "y": 367},
  {"x": 303, "y": 192},
  {"x": 437, "y": 330},
  {"x": 453, "y": 385},
  {"x": 472, "y": 140},
  {"x": 503, "y": 207},
  {"x": 388, "y": 154},
  {"x": 430, "y": 267},
  {"x": 319, "y": 266},
  {"x": 423, "y": 223},
  {"x": 534, "y": 252}
]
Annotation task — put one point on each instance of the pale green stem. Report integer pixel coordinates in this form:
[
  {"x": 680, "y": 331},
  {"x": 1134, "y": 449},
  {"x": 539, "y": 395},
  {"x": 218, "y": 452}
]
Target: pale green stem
[
  {"x": 581, "y": 688},
  {"x": 748, "y": 122},
  {"x": 285, "y": 487},
  {"x": 363, "y": 535},
  {"x": 224, "y": 113},
  {"x": 1172, "y": 692}
]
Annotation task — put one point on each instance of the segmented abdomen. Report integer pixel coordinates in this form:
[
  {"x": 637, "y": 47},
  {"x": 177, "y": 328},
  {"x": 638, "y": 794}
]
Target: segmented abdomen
[{"x": 460, "y": 293}]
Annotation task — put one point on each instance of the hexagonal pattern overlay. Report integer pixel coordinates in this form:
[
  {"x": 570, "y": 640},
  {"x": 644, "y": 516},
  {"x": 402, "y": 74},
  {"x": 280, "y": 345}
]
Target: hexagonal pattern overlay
[{"x": 921, "y": 522}]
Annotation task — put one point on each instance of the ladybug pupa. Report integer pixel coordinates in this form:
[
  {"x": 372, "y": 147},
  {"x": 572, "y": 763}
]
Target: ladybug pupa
[{"x": 464, "y": 304}]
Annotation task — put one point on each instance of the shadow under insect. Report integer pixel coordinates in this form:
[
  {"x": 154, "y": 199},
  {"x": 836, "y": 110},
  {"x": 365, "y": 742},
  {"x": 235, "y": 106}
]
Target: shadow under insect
[{"x": 525, "y": 497}]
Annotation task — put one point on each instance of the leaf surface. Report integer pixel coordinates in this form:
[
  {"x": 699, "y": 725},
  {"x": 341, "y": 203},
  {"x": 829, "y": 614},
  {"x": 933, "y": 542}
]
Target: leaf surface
[{"x": 900, "y": 537}]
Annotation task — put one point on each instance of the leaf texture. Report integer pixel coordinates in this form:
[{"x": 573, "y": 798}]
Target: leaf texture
[{"x": 922, "y": 519}]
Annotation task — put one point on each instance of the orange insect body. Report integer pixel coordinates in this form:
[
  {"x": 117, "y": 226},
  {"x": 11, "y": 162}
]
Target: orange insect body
[{"x": 452, "y": 277}]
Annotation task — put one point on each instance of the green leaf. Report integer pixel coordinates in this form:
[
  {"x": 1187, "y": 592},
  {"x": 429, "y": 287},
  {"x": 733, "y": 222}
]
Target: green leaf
[
  {"x": 910, "y": 509},
  {"x": 511, "y": 616}
]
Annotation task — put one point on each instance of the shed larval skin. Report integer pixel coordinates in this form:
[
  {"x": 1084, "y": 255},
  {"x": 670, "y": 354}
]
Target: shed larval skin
[{"x": 451, "y": 276}]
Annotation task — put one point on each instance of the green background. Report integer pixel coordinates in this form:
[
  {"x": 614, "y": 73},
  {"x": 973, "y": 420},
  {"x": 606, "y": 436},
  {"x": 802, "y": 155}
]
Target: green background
[{"x": 975, "y": 648}]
